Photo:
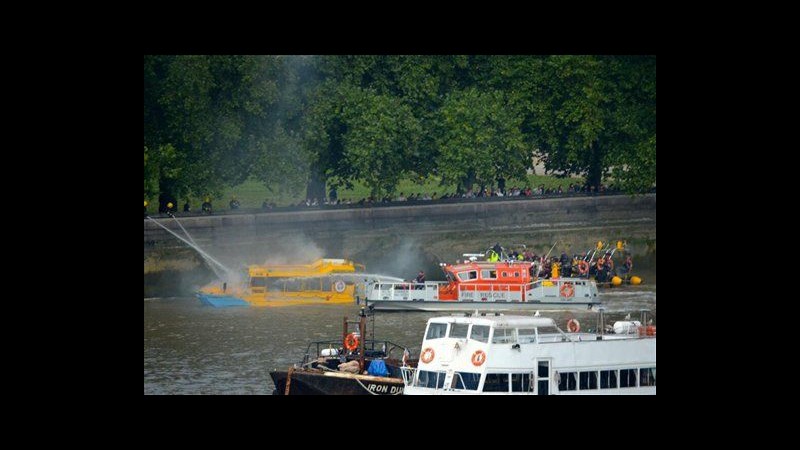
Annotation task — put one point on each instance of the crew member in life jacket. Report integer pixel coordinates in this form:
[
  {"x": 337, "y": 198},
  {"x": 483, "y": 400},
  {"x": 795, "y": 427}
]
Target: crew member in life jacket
[
  {"x": 546, "y": 269},
  {"x": 610, "y": 266},
  {"x": 626, "y": 267},
  {"x": 493, "y": 256},
  {"x": 534, "y": 270},
  {"x": 576, "y": 259},
  {"x": 600, "y": 266},
  {"x": 566, "y": 265},
  {"x": 498, "y": 249}
]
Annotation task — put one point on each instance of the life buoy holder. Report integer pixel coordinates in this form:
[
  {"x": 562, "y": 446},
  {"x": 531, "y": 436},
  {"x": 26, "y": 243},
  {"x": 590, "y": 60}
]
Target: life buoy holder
[
  {"x": 573, "y": 326},
  {"x": 351, "y": 342},
  {"x": 478, "y": 358},
  {"x": 583, "y": 267},
  {"x": 339, "y": 286},
  {"x": 427, "y": 355},
  {"x": 567, "y": 290}
]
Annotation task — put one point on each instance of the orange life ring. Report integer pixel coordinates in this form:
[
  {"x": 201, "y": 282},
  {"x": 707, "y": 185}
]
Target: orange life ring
[
  {"x": 567, "y": 290},
  {"x": 427, "y": 355},
  {"x": 351, "y": 342},
  {"x": 583, "y": 267},
  {"x": 573, "y": 326},
  {"x": 478, "y": 358}
]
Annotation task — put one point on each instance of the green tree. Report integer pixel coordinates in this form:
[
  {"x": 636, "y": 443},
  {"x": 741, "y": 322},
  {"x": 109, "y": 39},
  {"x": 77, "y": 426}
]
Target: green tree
[
  {"x": 589, "y": 114},
  {"x": 480, "y": 139},
  {"x": 211, "y": 113},
  {"x": 382, "y": 134}
]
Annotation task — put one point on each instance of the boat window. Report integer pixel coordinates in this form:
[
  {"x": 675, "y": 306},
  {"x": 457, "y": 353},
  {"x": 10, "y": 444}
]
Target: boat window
[
  {"x": 567, "y": 381},
  {"x": 526, "y": 335},
  {"x": 647, "y": 377},
  {"x": 627, "y": 378},
  {"x": 543, "y": 387},
  {"x": 521, "y": 382},
  {"x": 516, "y": 274},
  {"x": 505, "y": 274},
  {"x": 430, "y": 379},
  {"x": 258, "y": 281},
  {"x": 459, "y": 330},
  {"x": 436, "y": 331},
  {"x": 467, "y": 380},
  {"x": 588, "y": 380},
  {"x": 503, "y": 336},
  {"x": 468, "y": 275},
  {"x": 608, "y": 379},
  {"x": 489, "y": 274},
  {"x": 496, "y": 382},
  {"x": 480, "y": 333}
]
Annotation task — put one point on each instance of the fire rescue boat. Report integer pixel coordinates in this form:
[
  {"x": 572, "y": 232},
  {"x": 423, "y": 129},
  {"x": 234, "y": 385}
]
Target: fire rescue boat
[{"x": 489, "y": 286}]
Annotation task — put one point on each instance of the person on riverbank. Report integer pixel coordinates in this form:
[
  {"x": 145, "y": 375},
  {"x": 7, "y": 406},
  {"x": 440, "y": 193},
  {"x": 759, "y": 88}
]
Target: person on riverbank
[{"x": 206, "y": 206}]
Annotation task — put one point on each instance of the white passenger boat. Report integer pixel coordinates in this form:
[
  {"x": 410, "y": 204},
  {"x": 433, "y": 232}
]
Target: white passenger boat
[{"x": 526, "y": 355}]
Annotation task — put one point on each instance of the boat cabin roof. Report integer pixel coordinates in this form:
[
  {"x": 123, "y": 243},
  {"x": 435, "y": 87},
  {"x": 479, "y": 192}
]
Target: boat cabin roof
[
  {"x": 501, "y": 321},
  {"x": 481, "y": 265},
  {"x": 319, "y": 267}
]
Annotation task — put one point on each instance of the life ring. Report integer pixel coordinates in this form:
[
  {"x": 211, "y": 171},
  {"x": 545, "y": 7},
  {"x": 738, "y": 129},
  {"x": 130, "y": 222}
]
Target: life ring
[
  {"x": 583, "y": 267},
  {"x": 567, "y": 290},
  {"x": 427, "y": 355},
  {"x": 351, "y": 342},
  {"x": 478, "y": 358},
  {"x": 573, "y": 326},
  {"x": 339, "y": 286}
]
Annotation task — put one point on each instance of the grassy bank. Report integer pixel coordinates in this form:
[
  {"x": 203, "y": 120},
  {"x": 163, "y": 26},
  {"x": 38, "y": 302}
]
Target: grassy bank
[{"x": 252, "y": 193}]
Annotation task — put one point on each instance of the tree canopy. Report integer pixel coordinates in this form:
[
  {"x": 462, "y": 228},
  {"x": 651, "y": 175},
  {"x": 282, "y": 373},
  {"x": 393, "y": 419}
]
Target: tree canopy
[{"x": 214, "y": 121}]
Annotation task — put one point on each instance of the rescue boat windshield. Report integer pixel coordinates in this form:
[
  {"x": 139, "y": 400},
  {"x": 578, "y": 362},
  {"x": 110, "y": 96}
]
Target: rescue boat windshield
[
  {"x": 459, "y": 330},
  {"x": 436, "y": 331},
  {"x": 480, "y": 333}
]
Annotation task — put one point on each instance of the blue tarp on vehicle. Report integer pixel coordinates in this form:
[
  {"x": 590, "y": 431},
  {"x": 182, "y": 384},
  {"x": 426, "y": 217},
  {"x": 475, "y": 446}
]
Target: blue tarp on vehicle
[{"x": 377, "y": 368}]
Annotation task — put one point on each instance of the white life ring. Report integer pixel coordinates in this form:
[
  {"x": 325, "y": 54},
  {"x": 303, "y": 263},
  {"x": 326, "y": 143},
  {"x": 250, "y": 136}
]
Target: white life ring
[{"x": 339, "y": 286}]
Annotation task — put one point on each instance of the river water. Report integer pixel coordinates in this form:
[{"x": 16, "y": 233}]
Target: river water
[{"x": 194, "y": 349}]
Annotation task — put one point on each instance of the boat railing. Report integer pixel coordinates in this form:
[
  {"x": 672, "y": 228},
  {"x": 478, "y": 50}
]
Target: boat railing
[
  {"x": 408, "y": 374},
  {"x": 553, "y": 287},
  {"x": 372, "y": 348},
  {"x": 471, "y": 291},
  {"x": 411, "y": 291}
]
